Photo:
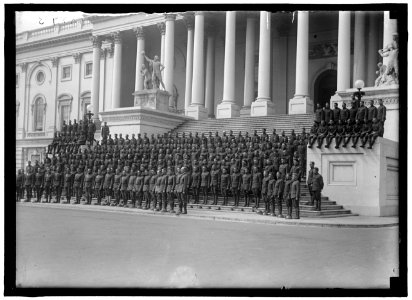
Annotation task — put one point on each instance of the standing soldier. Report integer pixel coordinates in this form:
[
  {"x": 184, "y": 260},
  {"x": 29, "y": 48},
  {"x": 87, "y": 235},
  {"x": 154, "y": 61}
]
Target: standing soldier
[
  {"x": 336, "y": 113},
  {"x": 116, "y": 188},
  {"x": 295, "y": 193},
  {"x": 88, "y": 185},
  {"x": 68, "y": 184},
  {"x": 47, "y": 184},
  {"x": 224, "y": 185},
  {"x": 130, "y": 189},
  {"x": 327, "y": 113},
  {"x": 146, "y": 189},
  {"x": 98, "y": 186},
  {"x": 381, "y": 116},
  {"x": 78, "y": 184},
  {"x": 195, "y": 184},
  {"x": 152, "y": 189},
  {"x": 319, "y": 114},
  {"x": 108, "y": 186},
  {"x": 38, "y": 183},
  {"x": 91, "y": 129},
  {"x": 184, "y": 181},
  {"x": 205, "y": 183},
  {"x": 58, "y": 178},
  {"x": 246, "y": 186},
  {"x": 279, "y": 187},
  {"x": 344, "y": 114},
  {"x": 214, "y": 183},
  {"x": 361, "y": 113},
  {"x": 123, "y": 188},
  {"x": 256, "y": 186},
  {"x": 309, "y": 182},
  {"x": 372, "y": 112},
  {"x": 19, "y": 185},
  {"x": 235, "y": 181},
  {"x": 170, "y": 190},
  {"x": 264, "y": 191},
  {"x": 317, "y": 186},
  {"x": 29, "y": 182},
  {"x": 286, "y": 196},
  {"x": 178, "y": 189},
  {"x": 138, "y": 189},
  {"x": 105, "y": 133}
]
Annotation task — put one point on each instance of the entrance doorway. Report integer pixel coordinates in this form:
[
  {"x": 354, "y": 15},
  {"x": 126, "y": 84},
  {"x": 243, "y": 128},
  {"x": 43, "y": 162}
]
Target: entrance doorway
[{"x": 325, "y": 87}]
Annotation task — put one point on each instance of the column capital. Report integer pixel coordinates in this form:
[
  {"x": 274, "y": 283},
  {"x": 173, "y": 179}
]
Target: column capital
[
  {"x": 188, "y": 18},
  {"x": 97, "y": 41},
  {"x": 77, "y": 57},
  {"x": 23, "y": 67},
  {"x": 110, "y": 49},
  {"x": 210, "y": 30},
  {"x": 199, "y": 13},
  {"x": 54, "y": 61},
  {"x": 117, "y": 37},
  {"x": 170, "y": 17},
  {"x": 139, "y": 31},
  {"x": 103, "y": 53},
  {"x": 162, "y": 27}
]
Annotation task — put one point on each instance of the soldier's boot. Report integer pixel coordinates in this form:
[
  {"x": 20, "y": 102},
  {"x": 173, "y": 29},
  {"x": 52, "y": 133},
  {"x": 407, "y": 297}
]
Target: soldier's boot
[
  {"x": 164, "y": 206},
  {"x": 172, "y": 207},
  {"x": 180, "y": 209},
  {"x": 280, "y": 215},
  {"x": 185, "y": 209},
  {"x": 297, "y": 212},
  {"x": 289, "y": 216},
  {"x": 272, "y": 208},
  {"x": 160, "y": 205},
  {"x": 320, "y": 203}
]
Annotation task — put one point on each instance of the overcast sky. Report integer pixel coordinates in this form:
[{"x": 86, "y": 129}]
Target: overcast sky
[{"x": 29, "y": 20}]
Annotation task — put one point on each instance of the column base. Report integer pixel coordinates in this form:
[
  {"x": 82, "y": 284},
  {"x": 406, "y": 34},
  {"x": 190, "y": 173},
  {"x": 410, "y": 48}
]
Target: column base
[
  {"x": 300, "y": 105},
  {"x": 197, "y": 111},
  {"x": 261, "y": 108},
  {"x": 227, "y": 110},
  {"x": 245, "y": 111}
]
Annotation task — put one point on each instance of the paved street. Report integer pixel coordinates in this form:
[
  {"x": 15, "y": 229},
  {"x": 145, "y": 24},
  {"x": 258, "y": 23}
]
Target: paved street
[{"x": 65, "y": 247}]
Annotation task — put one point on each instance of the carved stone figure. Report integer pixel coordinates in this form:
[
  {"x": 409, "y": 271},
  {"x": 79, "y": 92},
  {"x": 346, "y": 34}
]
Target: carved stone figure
[
  {"x": 157, "y": 71},
  {"x": 391, "y": 72},
  {"x": 146, "y": 75}
]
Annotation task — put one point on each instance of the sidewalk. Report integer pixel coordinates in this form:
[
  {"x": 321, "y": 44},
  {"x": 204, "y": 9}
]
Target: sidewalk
[{"x": 219, "y": 215}]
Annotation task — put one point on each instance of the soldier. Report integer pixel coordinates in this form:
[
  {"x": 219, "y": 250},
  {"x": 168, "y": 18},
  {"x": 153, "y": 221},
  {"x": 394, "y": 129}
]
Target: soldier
[
  {"x": 336, "y": 113},
  {"x": 152, "y": 189},
  {"x": 361, "y": 114},
  {"x": 184, "y": 181},
  {"x": 78, "y": 184},
  {"x": 38, "y": 183},
  {"x": 366, "y": 131},
  {"x": 64, "y": 127},
  {"x": 317, "y": 186},
  {"x": 322, "y": 133},
  {"x": 58, "y": 180},
  {"x": 372, "y": 112},
  {"x": 279, "y": 186},
  {"x": 348, "y": 133},
  {"x": 328, "y": 115},
  {"x": 313, "y": 135},
  {"x": 105, "y": 133},
  {"x": 75, "y": 127},
  {"x": 205, "y": 183},
  {"x": 146, "y": 189},
  {"x": 91, "y": 129},
  {"x": 264, "y": 191},
  {"x": 344, "y": 114},
  {"x": 256, "y": 186},
  {"x": 195, "y": 185},
  {"x": 376, "y": 131},
  {"x": 19, "y": 185},
  {"x": 70, "y": 128},
  {"x": 214, "y": 183},
  {"x": 235, "y": 183},
  {"x": 124, "y": 180},
  {"x": 286, "y": 196},
  {"x": 283, "y": 168},
  {"x": 224, "y": 185},
  {"x": 309, "y": 182},
  {"x": 340, "y": 133},
  {"x": 353, "y": 111},
  {"x": 88, "y": 185},
  {"x": 98, "y": 186},
  {"x": 68, "y": 184},
  {"x": 130, "y": 189},
  {"x": 331, "y": 133},
  {"x": 319, "y": 114},
  {"x": 170, "y": 190},
  {"x": 52, "y": 146},
  {"x": 47, "y": 184},
  {"x": 138, "y": 189},
  {"x": 246, "y": 186},
  {"x": 381, "y": 116},
  {"x": 295, "y": 194},
  {"x": 159, "y": 189},
  {"x": 116, "y": 188},
  {"x": 356, "y": 132}
]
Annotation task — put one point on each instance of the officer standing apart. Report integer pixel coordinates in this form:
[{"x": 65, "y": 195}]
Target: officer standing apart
[{"x": 317, "y": 186}]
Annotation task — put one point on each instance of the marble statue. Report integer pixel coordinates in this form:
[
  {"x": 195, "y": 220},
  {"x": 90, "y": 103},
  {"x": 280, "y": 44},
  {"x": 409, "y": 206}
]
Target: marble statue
[{"x": 157, "y": 71}]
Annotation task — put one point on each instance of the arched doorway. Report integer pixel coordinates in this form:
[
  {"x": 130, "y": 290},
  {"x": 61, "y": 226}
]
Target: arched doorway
[{"x": 325, "y": 87}]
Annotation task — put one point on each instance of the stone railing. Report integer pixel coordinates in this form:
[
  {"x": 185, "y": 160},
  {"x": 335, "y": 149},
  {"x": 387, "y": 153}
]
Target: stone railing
[{"x": 35, "y": 134}]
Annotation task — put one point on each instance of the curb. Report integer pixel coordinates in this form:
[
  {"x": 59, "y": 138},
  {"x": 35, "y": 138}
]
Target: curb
[{"x": 205, "y": 217}]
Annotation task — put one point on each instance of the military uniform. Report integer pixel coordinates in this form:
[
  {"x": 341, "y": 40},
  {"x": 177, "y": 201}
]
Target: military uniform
[{"x": 78, "y": 184}]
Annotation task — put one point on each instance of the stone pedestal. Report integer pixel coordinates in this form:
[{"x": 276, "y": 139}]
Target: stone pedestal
[
  {"x": 227, "y": 110},
  {"x": 245, "y": 111},
  {"x": 362, "y": 180},
  {"x": 390, "y": 97},
  {"x": 129, "y": 120},
  {"x": 153, "y": 99},
  {"x": 262, "y": 108},
  {"x": 198, "y": 112},
  {"x": 300, "y": 105}
]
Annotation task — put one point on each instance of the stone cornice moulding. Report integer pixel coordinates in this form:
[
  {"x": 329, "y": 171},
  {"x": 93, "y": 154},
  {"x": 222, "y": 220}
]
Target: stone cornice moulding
[{"x": 46, "y": 57}]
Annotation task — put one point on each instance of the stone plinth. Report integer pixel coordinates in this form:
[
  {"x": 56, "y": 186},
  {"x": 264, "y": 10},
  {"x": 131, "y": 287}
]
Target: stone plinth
[
  {"x": 197, "y": 112},
  {"x": 245, "y": 111},
  {"x": 153, "y": 99},
  {"x": 129, "y": 120},
  {"x": 261, "y": 108},
  {"x": 300, "y": 105},
  {"x": 362, "y": 180},
  {"x": 227, "y": 110},
  {"x": 390, "y": 98}
]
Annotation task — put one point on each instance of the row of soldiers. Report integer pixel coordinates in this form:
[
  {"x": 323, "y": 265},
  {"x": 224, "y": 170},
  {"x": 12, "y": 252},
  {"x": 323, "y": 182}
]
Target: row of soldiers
[
  {"x": 345, "y": 125},
  {"x": 265, "y": 155},
  {"x": 72, "y": 136}
]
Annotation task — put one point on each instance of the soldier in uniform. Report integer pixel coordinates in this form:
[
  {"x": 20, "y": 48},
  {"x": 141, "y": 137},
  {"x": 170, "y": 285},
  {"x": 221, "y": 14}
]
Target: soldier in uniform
[
  {"x": 336, "y": 113},
  {"x": 130, "y": 189},
  {"x": 124, "y": 180},
  {"x": 58, "y": 178},
  {"x": 184, "y": 182},
  {"x": 195, "y": 185},
  {"x": 344, "y": 114},
  {"x": 88, "y": 185},
  {"x": 68, "y": 184},
  {"x": 52, "y": 146},
  {"x": 256, "y": 186},
  {"x": 313, "y": 135},
  {"x": 361, "y": 114},
  {"x": 309, "y": 181},
  {"x": 138, "y": 189},
  {"x": 372, "y": 112},
  {"x": 38, "y": 183},
  {"x": 327, "y": 113},
  {"x": 340, "y": 133},
  {"x": 348, "y": 133},
  {"x": 356, "y": 133},
  {"x": 319, "y": 114},
  {"x": 264, "y": 191},
  {"x": 246, "y": 186},
  {"x": 205, "y": 183},
  {"x": 91, "y": 130},
  {"x": 235, "y": 183},
  {"x": 295, "y": 194},
  {"x": 19, "y": 185},
  {"x": 105, "y": 133},
  {"x": 116, "y": 188},
  {"x": 146, "y": 189},
  {"x": 224, "y": 185},
  {"x": 75, "y": 127},
  {"x": 214, "y": 183},
  {"x": 286, "y": 196},
  {"x": 331, "y": 133},
  {"x": 158, "y": 189},
  {"x": 279, "y": 187},
  {"x": 170, "y": 190},
  {"x": 381, "y": 116},
  {"x": 322, "y": 133},
  {"x": 78, "y": 184},
  {"x": 47, "y": 184},
  {"x": 317, "y": 186},
  {"x": 98, "y": 186},
  {"x": 366, "y": 130},
  {"x": 152, "y": 189}
]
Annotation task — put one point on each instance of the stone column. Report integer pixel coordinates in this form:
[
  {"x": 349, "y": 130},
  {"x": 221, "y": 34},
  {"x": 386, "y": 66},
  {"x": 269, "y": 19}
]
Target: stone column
[
  {"x": 162, "y": 28},
  {"x": 359, "y": 55},
  {"x": 263, "y": 105},
  {"x": 188, "y": 19},
  {"x": 249, "y": 84},
  {"x": 139, "y": 85},
  {"x": 301, "y": 103},
  {"x": 372, "y": 57},
  {"x": 228, "y": 108},
  {"x": 390, "y": 27},
  {"x": 197, "y": 108},
  {"x": 343, "y": 51},
  {"x": 210, "y": 73},
  {"x": 97, "y": 43},
  {"x": 23, "y": 104},
  {"x": 169, "y": 55},
  {"x": 117, "y": 70}
]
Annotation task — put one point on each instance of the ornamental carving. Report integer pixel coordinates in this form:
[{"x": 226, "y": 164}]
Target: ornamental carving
[
  {"x": 170, "y": 17},
  {"x": 188, "y": 18},
  {"x": 77, "y": 57},
  {"x": 323, "y": 50},
  {"x": 103, "y": 53},
  {"x": 24, "y": 66},
  {"x": 117, "y": 37},
  {"x": 110, "y": 50},
  {"x": 96, "y": 41},
  {"x": 54, "y": 61},
  {"x": 162, "y": 27},
  {"x": 139, "y": 31}
]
